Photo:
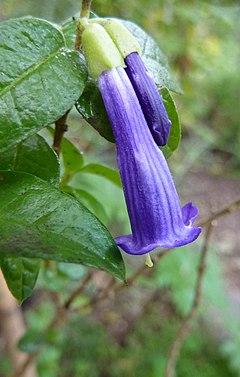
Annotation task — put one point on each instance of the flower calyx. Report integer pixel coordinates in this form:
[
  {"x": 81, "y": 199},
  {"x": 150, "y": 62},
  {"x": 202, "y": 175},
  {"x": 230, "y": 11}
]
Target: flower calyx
[{"x": 100, "y": 51}]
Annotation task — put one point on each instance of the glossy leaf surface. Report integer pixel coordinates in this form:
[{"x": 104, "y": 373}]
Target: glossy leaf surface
[
  {"x": 33, "y": 156},
  {"x": 40, "y": 78},
  {"x": 39, "y": 221}
]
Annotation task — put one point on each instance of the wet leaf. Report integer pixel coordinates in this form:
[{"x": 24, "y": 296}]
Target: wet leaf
[
  {"x": 39, "y": 221},
  {"x": 40, "y": 78},
  {"x": 33, "y": 156}
]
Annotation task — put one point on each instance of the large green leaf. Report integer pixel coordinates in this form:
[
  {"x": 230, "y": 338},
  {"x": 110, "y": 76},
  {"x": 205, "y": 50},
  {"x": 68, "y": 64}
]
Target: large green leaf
[
  {"x": 175, "y": 130},
  {"x": 36, "y": 157},
  {"x": 40, "y": 78},
  {"x": 21, "y": 275},
  {"x": 33, "y": 156},
  {"x": 69, "y": 28},
  {"x": 94, "y": 205},
  {"x": 39, "y": 221}
]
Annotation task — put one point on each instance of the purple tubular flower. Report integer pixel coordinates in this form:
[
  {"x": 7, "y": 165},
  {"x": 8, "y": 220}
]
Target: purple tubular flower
[
  {"x": 149, "y": 98},
  {"x": 154, "y": 209}
]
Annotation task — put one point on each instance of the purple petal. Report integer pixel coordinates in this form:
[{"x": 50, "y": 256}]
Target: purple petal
[
  {"x": 149, "y": 98},
  {"x": 189, "y": 213},
  {"x": 153, "y": 205}
]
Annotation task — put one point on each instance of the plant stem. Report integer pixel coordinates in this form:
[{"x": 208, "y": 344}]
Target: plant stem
[
  {"x": 86, "y": 7},
  {"x": 116, "y": 288},
  {"x": 85, "y": 12},
  {"x": 60, "y": 128},
  {"x": 78, "y": 291},
  {"x": 225, "y": 211}
]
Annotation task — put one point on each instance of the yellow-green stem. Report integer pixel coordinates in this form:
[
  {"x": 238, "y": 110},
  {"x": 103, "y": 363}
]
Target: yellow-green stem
[{"x": 85, "y": 13}]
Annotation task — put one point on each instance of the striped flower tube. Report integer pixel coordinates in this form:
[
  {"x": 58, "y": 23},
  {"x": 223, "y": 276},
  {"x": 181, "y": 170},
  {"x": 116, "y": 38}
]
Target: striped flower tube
[{"x": 155, "y": 212}]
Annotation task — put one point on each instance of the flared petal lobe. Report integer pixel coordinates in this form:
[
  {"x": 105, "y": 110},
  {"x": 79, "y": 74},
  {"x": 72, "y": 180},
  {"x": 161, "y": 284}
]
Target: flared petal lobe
[
  {"x": 154, "y": 209},
  {"x": 149, "y": 98}
]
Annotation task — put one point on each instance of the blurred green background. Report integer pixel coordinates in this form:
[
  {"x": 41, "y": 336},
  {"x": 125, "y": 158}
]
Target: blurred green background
[{"x": 130, "y": 334}]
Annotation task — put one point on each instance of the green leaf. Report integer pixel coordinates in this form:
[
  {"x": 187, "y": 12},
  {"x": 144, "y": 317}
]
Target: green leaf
[
  {"x": 107, "y": 193},
  {"x": 20, "y": 275},
  {"x": 72, "y": 158},
  {"x": 39, "y": 221},
  {"x": 104, "y": 171},
  {"x": 33, "y": 156},
  {"x": 90, "y": 106},
  {"x": 92, "y": 204},
  {"x": 40, "y": 78},
  {"x": 69, "y": 28},
  {"x": 154, "y": 59},
  {"x": 175, "y": 130}
]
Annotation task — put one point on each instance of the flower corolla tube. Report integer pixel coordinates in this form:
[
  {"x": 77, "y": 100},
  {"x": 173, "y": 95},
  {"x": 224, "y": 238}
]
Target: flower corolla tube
[
  {"x": 154, "y": 209},
  {"x": 156, "y": 216}
]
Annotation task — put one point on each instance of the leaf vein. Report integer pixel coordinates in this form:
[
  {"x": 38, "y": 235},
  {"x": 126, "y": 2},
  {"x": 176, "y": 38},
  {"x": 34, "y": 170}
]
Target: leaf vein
[{"x": 32, "y": 69}]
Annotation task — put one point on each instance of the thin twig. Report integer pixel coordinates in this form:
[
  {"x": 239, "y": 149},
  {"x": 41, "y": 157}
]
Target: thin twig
[
  {"x": 60, "y": 128},
  {"x": 64, "y": 310},
  {"x": 114, "y": 288},
  {"x": 86, "y": 7},
  {"x": 227, "y": 210},
  {"x": 185, "y": 327},
  {"x": 78, "y": 291}
]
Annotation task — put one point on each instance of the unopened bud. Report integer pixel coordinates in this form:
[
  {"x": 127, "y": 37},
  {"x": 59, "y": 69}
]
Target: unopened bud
[
  {"x": 123, "y": 39},
  {"x": 100, "y": 51}
]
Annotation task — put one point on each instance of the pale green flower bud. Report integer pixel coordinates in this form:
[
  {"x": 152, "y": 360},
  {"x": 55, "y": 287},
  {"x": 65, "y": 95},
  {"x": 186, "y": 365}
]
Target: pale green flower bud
[
  {"x": 99, "y": 49},
  {"x": 123, "y": 39}
]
